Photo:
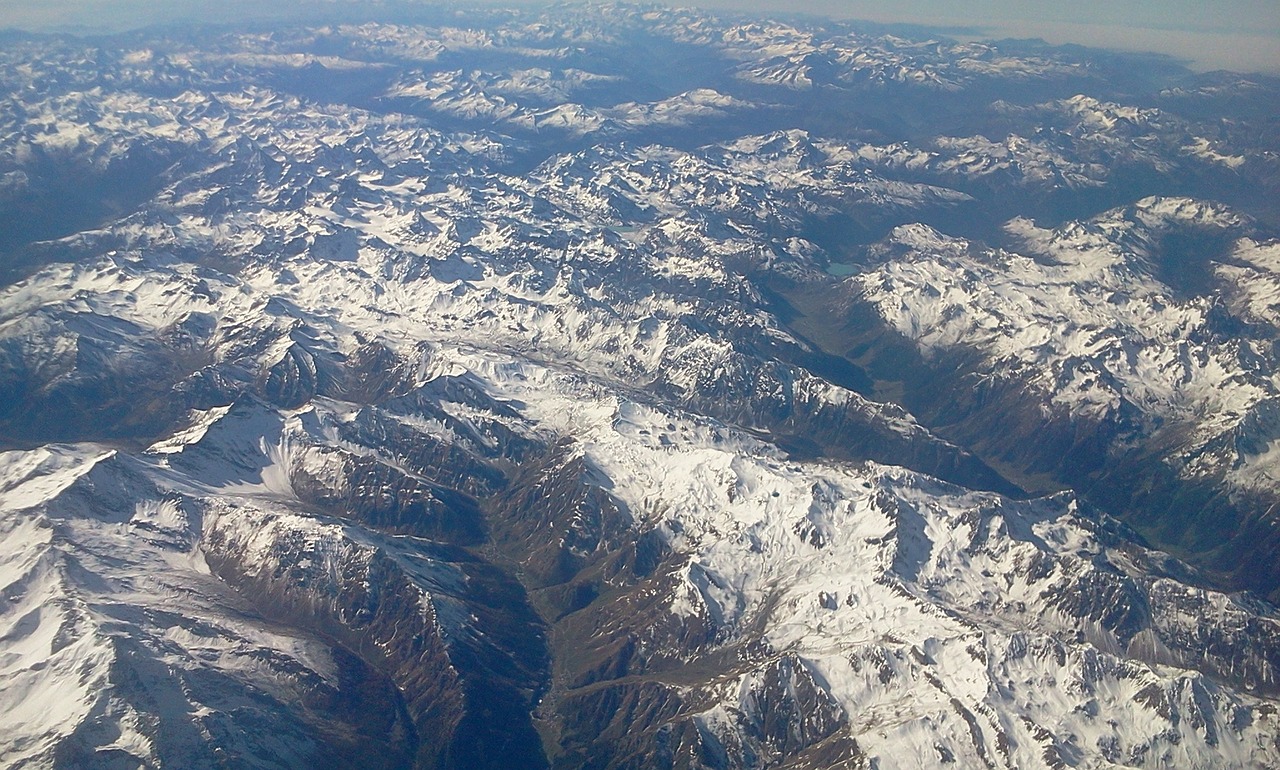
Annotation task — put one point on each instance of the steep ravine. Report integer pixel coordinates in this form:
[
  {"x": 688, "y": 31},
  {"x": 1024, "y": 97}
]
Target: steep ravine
[{"x": 1004, "y": 424}]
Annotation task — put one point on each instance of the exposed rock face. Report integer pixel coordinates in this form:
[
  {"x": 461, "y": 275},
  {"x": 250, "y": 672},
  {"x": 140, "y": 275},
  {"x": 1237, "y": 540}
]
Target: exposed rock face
[
  {"x": 446, "y": 395},
  {"x": 1081, "y": 364}
]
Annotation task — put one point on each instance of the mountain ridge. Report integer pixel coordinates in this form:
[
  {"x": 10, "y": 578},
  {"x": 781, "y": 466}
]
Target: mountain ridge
[{"x": 384, "y": 425}]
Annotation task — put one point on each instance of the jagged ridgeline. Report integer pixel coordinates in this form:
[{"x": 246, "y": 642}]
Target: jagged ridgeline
[{"x": 615, "y": 387}]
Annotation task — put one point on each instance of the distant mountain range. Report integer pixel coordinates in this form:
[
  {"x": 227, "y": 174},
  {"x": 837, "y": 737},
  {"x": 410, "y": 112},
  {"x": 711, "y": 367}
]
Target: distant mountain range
[{"x": 622, "y": 387}]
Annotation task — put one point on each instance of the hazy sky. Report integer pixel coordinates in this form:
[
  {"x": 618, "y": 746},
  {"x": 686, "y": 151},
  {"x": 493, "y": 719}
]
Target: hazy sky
[{"x": 1233, "y": 34}]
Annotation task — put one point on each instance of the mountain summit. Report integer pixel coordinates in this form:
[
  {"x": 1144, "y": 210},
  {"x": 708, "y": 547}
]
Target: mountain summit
[{"x": 620, "y": 387}]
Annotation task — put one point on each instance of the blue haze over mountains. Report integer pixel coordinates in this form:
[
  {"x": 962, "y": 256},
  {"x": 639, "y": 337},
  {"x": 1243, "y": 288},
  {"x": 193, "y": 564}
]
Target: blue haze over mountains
[
  {"x": 614, "y": 387},
  {"x": 1242, "y": 35}
]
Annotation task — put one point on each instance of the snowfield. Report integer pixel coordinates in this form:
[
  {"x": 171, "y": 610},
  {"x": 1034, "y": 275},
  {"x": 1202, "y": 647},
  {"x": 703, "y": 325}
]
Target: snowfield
[{"x": 448, "y": 394}]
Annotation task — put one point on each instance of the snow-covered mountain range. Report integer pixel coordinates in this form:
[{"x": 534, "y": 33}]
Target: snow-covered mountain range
[{"x": 622, "y": 387}]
